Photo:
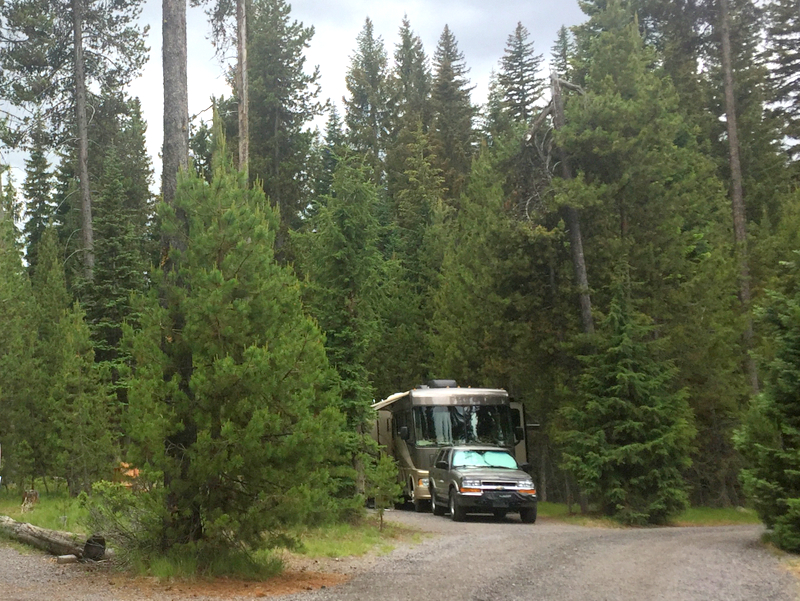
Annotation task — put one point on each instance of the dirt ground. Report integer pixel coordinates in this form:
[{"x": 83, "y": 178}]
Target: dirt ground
[{"x": 26, "y": 575}]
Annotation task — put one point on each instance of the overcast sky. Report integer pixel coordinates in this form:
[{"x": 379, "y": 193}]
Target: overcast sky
[{"x": 481, "y": 28}]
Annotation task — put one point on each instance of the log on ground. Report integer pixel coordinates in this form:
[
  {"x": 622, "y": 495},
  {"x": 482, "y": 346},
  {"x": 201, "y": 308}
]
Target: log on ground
[{"x": 55, "y": 542}]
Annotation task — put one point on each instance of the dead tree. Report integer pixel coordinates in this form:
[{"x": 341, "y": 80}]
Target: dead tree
[
  {"x": 54, "y": 542},
  {"x": 555, "y": 110}
]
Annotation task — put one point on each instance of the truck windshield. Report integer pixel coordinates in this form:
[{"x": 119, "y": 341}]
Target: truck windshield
[
  {"x": 451, "y": 424},
  {"x": 473, "y": 458}
]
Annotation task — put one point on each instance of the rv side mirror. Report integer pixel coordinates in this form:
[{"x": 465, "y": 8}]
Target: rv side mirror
[
  {"x": 519, "y": 434},
  {"x": 404, "y": 432}
]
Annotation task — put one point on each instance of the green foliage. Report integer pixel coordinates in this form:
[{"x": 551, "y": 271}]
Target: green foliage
[
  {"x": 56, "y": 509},
  {"x": 628, "y": 436},
  {"x": 231, "y": 396},
  {"x": 80, "y": 403},
  {"x": 284, "y": 99},
  {"x": 38, "y": 54},
  {"x": 382, "y": 485},
  {"x": 649, "y": 193},
  {"x": 783, "y": 45},
  {"x": 366, "y": 108},
  {"x": 19, "y": 369},
  {"x": 451, "y": 130},
  {"x": 519, "y": 76},
  {"x": 770, "y": 433},
  {"x": 38, "y": 190},
  {"x": 345, "y": 275}
]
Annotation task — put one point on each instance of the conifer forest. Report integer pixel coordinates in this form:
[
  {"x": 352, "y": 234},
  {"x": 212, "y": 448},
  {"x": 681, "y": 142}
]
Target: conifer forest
[{"x": 612, "y": 237}]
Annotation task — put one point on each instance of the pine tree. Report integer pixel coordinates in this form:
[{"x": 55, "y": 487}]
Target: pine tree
[
  {"x": 55, "y": 51},
  {"x": 345, "y": 274},
  {"x": 783, "y": 38},
  {"x": 401, "y": 358},
  {"x": 332, "y": 148},
  {"x": 453, "y": 112},
  {"x": 410, "y": 86},
  {"x": 628, "y": 437},
  {"x": 653, "y": 196},
  {"x": 38, "y": 190},
  {"x": 410, "y": 81},
  {"x": 519, "y": 76},
  {"x": 284, "y": 99},
  {"x": 117, "y": 124},
  {"x": 120, "y": 267},
  {"x": 230, "y": 380},
  {"x": 18, "y": 366},
  {"x": 770, "y": 434},
  {"x": 80, "y": 404},
  {"x": 562, "y": 52},
  {"x": 366, "y": 108}
]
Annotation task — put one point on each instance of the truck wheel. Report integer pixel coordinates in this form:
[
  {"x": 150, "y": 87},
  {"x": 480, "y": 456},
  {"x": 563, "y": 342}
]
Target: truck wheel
[
  {"x": 457, "y": 512},
  {"x": 528, "y": 515},
  {"x": 436, "y": 507}
]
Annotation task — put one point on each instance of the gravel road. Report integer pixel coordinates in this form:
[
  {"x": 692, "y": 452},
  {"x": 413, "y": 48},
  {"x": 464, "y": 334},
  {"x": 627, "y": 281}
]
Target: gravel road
[
  {"x": 486, "y": 560},
  {"x": 483, "y": 559}
]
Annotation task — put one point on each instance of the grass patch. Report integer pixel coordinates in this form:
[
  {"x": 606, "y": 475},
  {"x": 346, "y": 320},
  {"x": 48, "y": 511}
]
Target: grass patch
[
  {"x": 709, "y": 516},
  {"x": 694, "y": 516},
  {"x": 354, "y": 539},
  {"x": 55, "y": 510},
  {"x": 185, "y": 563}
]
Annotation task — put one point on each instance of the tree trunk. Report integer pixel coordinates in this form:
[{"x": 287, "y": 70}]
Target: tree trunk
[
  {"x": 175, "y": 153},
  {"x": 572, "y": 219},
  {"x": 737, "y": 195},
  {"x": 54, "y": 542},
  {"x": 241, "y": 85},
  {"x": 83, "y": 141}
]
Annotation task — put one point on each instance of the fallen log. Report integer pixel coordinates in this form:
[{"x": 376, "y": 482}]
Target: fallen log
[{"x": 55, "y": 542}]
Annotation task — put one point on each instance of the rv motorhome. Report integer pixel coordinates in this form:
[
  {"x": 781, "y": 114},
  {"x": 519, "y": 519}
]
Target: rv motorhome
[{"x": 411, "y": 427}]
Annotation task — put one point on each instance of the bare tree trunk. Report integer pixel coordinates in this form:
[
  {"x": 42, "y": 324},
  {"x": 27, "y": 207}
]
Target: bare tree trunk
[
  {"x": 737, "y": 195},
  {"x": 572, "y": 219},
  {"x": 83, "y": 141},
  {"x": 175, "y": 152},
  {"x": 242, "y": 86},
  {"x": 54, "y": 541}
]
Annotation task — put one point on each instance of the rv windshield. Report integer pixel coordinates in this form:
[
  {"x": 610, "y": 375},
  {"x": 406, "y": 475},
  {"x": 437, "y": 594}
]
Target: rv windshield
[{"x": 449, "y": 424}]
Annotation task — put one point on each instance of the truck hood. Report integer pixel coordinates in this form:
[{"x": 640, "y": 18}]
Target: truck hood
[{"x": 492, "y": 473}]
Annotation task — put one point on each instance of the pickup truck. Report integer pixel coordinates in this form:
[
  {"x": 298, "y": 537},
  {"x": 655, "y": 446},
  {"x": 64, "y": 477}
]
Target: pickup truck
[{"x": 477, "y": 479}]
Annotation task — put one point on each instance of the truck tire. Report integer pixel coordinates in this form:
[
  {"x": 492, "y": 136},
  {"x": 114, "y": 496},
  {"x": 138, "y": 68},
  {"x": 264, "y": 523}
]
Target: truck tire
[
  {"x": 528, "y": 515},
  {"x": 457, "y": 512},
  {"x": 436, "y": 507}
]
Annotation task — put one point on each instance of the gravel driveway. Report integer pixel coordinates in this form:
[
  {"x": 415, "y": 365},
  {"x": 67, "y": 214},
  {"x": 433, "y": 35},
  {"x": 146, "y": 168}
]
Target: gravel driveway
[{"x": 486, "y": 560}]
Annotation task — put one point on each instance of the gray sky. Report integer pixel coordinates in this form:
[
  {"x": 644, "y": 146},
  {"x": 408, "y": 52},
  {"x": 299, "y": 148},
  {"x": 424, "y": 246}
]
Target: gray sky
[{"x": 481, "y": 28}]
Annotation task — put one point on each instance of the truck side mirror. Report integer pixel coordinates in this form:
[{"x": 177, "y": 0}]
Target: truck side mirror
[
  {"x": 526, "y": 467},
  {"x": 404, "y": 432}
]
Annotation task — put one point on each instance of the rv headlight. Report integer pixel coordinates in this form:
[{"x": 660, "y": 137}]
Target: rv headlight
[
  {"x": 423, "y": 482},
  {"x": 470, "y": 483}
]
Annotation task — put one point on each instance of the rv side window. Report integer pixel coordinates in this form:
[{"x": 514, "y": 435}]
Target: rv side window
[{"x": 403, "y": 418}]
